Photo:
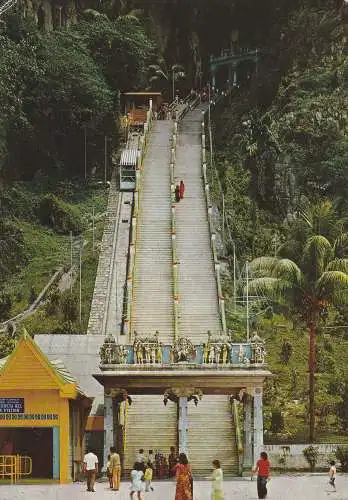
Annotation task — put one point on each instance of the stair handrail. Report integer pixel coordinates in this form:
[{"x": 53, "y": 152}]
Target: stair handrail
[
  {"x": 134, "y": 235},
  {"x": 173, "y": 232},
  {"x": 209, "y": 206}
]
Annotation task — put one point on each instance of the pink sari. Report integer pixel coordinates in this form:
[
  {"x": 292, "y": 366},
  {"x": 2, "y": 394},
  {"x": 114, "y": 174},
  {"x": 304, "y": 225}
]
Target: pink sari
[{"x": 183, "y": 482}]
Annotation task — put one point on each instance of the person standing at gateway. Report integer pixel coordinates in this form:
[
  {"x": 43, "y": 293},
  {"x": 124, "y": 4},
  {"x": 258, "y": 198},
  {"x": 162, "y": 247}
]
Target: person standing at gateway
[
  {"x": 115, "y": 468},
  {"x": 262, "y": 467},
  {"x": 184, "y": 481},
  {"x": 90, "y": 466}
]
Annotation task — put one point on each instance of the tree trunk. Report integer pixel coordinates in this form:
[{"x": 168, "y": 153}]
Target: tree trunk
[{"x": 311, "y": 369}]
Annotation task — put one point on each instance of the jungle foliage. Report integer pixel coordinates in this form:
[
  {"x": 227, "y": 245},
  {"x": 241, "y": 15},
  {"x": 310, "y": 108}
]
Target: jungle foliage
[{"x": 282, "y": 163}]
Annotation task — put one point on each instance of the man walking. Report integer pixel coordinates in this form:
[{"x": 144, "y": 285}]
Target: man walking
[
  {"x": 90, "y": 466},
  {"x": 115, "y": 468}
]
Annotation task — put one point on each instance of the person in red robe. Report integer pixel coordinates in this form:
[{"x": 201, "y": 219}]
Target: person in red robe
[
  {"x": 184, "y": 482},
  {"x": 181, "y": 190}
]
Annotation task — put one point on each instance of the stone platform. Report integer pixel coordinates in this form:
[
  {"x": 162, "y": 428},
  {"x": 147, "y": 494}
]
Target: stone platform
[{"x": 305, "y": 487}]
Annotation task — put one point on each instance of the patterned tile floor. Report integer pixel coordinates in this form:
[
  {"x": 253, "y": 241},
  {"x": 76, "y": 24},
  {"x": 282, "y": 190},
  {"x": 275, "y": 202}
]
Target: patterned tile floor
[{"x": 304, "y": 487}]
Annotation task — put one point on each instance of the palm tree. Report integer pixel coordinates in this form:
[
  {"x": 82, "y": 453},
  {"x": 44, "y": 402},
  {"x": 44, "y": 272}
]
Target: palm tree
[
  {"x": 317, "y": 280},
  {"x": 160, "y": 77}
]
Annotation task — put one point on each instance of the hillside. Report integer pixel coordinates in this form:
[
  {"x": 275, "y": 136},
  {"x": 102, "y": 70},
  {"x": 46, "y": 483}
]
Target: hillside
[
  {"x": 280, "y": 155},
  {"x": 281, "y": 148}
]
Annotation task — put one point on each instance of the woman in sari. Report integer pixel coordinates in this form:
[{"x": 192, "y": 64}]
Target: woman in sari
[{"x": 184, "y": 482}]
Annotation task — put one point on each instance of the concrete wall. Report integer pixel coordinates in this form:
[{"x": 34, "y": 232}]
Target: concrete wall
[{"x": 291, "y": 456}]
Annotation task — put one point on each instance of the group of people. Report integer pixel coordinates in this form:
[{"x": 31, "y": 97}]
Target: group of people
[
  {"x": 179, "y": 191},
  {"x": 179, "y": 466}
]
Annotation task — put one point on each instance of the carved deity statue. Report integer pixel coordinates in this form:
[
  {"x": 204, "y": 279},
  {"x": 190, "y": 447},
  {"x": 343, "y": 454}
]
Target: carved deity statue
[
  {"x": 139, "y": 354},
  {"x": 205, "y": 353},
  {"x": 224, "y": 354},
  {"x": 212, "y": 354},
  {"x": 108, "y": 354},
  {"x": 148, "y": 354},
  {"x": 122, "y": 354},
  {"x": 183, "y": 350},
  {"x": 159, "y": 354},
  {"x": 217, "y": 354}
]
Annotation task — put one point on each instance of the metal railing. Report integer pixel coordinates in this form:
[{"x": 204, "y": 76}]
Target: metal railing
[
  {"x": 239, "y": 442},
  {"x": 131, "y": 273},
  {"x": 175, "y": 262},
  {"x": 14, "y": 467},
  {"x": 209, "y": 206}
]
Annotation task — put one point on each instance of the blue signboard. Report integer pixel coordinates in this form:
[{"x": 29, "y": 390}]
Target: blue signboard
[{"x": 11, "y": 405}]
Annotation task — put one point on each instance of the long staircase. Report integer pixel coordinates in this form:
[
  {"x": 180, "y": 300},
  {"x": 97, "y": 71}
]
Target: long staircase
[
  {"x": 197, "y": 285},
  {"x": 151, "y": 425},
  {"x": 152, "y": 307},
  {"x": 199, "y": 309}
]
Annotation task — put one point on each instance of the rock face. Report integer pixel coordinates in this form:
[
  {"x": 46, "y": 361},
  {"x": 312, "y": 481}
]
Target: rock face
[
  {"x": 183, "y": 30},
  {"x": 50, "y": 14}
]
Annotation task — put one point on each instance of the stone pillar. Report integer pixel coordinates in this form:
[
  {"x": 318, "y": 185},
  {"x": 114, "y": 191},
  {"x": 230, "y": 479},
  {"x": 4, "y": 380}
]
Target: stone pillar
[
  {"x": 108, "y": 426},
  {"x": 183, "y": 425},
  {"x": 258, "y": 423},
  {"x": 248, "y": 443}
]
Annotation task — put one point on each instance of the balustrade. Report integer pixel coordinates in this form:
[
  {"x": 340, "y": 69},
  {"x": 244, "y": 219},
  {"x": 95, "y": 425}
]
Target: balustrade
[{"x": 219, "y": 351}]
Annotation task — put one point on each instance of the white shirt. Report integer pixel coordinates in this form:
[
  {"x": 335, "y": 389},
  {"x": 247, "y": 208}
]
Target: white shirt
[{"x": 91, "y": 460}]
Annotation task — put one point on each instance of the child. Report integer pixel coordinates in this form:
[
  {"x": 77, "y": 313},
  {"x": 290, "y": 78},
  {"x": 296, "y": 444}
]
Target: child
[
  {"x": 148, "y": 477},
  {"x": 332, "y": 474},
  {"x": 137, "y": 476},
  {"x": 108, "y": 471},
  {"x": 217, "y": 481}
]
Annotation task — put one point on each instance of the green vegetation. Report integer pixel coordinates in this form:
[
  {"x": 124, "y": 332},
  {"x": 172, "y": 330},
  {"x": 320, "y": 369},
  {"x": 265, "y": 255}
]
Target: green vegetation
[
  {"x": 281, "y": 161},
  {"x": 59, "y": 88}
]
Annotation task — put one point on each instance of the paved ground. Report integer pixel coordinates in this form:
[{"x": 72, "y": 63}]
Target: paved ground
[{"x": 280, "y": 488}]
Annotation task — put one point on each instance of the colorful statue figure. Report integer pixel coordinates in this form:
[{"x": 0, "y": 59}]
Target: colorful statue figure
[
  {"x": 147, "y": 354},
  {"x": 217, "y": 354},
  {"x": 123, "y": 354},
  {"x": 224, "y": 354},
  {"x": 159, "y": 354},
  {"x": 108, "y": 354},
  {"x": 139, "y": 354},
  {"x": 212, "y": 354},
  {"x": 205, "y": 353}
]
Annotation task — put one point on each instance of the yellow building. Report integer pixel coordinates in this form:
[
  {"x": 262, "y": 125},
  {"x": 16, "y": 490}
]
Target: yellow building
[{"x": 43, "y": 412}]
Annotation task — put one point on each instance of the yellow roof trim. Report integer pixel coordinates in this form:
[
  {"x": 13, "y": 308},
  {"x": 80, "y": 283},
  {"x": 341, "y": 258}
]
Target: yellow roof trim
[{"x": 66, "y": 389}]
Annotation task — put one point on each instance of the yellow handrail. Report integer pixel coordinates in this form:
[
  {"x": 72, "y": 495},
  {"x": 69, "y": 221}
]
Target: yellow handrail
[
  {"x": 136, "y": 215},
  {"x": 15, "y": 466}
]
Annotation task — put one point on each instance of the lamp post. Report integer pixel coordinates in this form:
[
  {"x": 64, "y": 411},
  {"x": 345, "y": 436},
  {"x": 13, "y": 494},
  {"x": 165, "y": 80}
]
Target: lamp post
[{"x": 173, "y": 84}]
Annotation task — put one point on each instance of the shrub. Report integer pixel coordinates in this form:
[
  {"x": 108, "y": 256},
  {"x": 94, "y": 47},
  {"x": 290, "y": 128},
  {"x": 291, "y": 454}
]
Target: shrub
[
  {"x": 277, "y": 421},
  {"x": 68, "y": 305},
  {"x": 311, "y": 455},
  {"x": 32, "y": 295},
  {"x": 60, "y": 216},
  {"x": 53, "y": 302},
  {"x": 342, "y": 456},
  {"x": 286, "y": 352},
  {"x": 5, "y": 305}
]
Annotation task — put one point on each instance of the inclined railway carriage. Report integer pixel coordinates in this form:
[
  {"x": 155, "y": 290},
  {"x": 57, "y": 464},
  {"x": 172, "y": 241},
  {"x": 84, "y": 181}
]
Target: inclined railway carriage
[{"x": 128, "y": 167}]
